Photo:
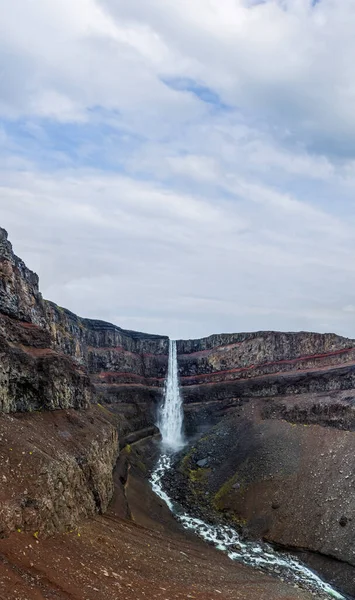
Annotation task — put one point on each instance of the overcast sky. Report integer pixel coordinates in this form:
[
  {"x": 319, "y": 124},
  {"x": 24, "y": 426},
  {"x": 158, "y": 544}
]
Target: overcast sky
[{"x": 183, "y": 167}]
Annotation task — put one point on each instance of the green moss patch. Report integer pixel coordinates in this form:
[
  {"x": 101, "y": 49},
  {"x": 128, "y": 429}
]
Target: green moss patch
[{"x": 224, "y": 490}]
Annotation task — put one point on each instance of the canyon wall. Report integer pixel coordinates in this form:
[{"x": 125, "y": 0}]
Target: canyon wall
[
  {"x": 72, "y": 392},
  {"x": 275, "y": 413},
  {"x": 227, "y": 370},
  {"x": 274, "y": 453},
  {"x": 265, "y": 363},
  {"x": 52, "y": 359}
]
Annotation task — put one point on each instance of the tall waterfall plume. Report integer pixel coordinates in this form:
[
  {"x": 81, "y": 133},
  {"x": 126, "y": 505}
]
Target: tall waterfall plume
[{"x": 171, "y": 417}]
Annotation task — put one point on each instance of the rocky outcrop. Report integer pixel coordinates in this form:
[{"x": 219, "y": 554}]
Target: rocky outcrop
[
  {"x": 228, "y": 370},
  {"x": 58, "y": 444},
  {"x": 19, "y": 292},
  {"x": 33, "y": 376},
  {"x": 56, "y": 469},
  {"x": 51, "y": 358}
]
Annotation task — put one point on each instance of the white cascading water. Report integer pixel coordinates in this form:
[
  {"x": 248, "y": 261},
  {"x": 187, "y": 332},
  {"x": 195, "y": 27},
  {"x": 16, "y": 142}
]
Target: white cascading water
[
  {"x": 171, "y": 417},
  {"x": 224, "y": 538}
]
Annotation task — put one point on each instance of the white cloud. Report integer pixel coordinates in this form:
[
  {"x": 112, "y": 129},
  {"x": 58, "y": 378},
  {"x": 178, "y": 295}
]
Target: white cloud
[
  {"x": 285, "y": 62},
  {"x": 188, "y": 265},
  {"x": 184, "y": 166}
]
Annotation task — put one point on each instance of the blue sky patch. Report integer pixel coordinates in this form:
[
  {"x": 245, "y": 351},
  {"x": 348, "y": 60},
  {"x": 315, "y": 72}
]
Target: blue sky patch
[
  {"x": 53, "y": 144},
  {"x": 201, "y": 91}
]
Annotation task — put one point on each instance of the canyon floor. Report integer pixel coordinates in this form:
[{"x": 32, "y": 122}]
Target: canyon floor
[{"x": 136, "y": 551}]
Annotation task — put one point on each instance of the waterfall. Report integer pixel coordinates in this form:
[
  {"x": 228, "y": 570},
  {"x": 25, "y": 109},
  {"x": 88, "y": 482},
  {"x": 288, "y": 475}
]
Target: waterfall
[
  {"x": 171, "y": 416},
  {"x": 224, "y": 538}
]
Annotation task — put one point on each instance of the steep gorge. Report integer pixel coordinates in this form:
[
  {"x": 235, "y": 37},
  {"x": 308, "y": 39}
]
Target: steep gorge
[{"x": 272, "y": 415}]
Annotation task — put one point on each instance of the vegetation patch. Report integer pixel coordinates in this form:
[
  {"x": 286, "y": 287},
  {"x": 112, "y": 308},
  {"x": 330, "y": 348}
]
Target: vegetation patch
[
  {"x": 185, "y": 463},
  {"x": 198, "y": 475},
  {"x": 224, "y": 490},
  {"x": 141, "y": 466}
]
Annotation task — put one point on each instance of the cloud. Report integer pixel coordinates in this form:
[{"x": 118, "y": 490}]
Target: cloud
[
  {"x": 289, "y": 62},
  {"x": 184, "y": 167},
  {"x": 134, "y": 253}
]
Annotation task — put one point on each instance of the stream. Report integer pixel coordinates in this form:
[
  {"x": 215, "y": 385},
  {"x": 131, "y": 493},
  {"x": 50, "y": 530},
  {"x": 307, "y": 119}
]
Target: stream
[{"x": 226, "y": 539}]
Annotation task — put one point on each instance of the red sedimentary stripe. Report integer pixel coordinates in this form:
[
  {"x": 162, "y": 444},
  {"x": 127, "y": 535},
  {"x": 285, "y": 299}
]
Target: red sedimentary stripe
[
  {"x": 331, "y": 369},
  {"x": 40, "y": 351},
  {"x": 270, "y": 364},
  {"x": 120, "y": 375},
  {"x": 123, "y": 351},
  {"x": 24, "y": 324}
]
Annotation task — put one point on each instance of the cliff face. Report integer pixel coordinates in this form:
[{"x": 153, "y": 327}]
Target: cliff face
[
  {"x": 33, "y": 376},
  {"x": 19, "y": 292},
  {"x": 53, "y": 359},
  {"x": 57, "y": 462},
  {"x": 275, "y": 455},
  {"x": 264, "y": 363}
]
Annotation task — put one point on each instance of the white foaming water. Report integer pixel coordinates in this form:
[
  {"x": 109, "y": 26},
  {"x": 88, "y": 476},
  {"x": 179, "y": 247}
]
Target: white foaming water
[
  {"x": 171, "y": 416},
  {"x": 223, "y": 537}
]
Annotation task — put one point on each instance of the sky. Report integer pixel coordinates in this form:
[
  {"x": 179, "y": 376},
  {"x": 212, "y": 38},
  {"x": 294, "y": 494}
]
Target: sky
[{"x": 183, "y": 167}]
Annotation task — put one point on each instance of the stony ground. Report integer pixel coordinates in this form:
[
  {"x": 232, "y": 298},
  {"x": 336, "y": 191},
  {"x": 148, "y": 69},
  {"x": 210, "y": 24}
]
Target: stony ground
[
  {"x": 109, "y": 558},
  {"x": 113, "y": 559},
  {"x": 289, "y": 483}
]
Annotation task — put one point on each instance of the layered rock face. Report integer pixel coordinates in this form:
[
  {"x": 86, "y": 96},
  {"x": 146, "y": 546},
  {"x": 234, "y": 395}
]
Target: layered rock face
[
  {"x": 266, "y": 363},
  {"x": 225, "y": 370},
  {"x": 53, "y": 359},
  {"x": 276, "y": 450},
  {"x": 57, "y": 462},
  {"x": 33, "y": 375}
]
